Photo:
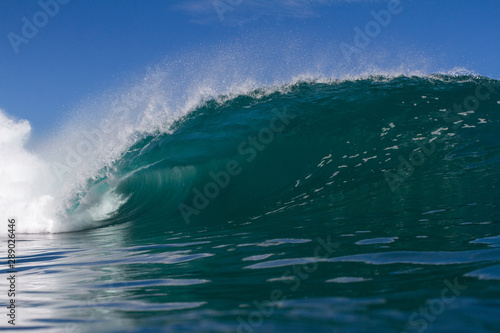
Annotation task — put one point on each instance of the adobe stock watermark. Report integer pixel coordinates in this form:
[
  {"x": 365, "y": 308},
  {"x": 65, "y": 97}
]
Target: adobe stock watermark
[
  {"x": 30, "y": 27},
  {"x": 222, "y": 6},
  {"x": 427, "y": 147},
  {"x": 363, "y": 37},
  {"x": 295, "y": 275},
  {"x": 249, "y": 149},
  {"x": 90, "y": 140},
  {"x": 420, "y": 320}
]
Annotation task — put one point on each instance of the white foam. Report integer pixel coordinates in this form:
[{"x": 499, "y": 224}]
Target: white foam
[
  {"x": 23, "y": 180},
  {"x": 31, "y": 193}
]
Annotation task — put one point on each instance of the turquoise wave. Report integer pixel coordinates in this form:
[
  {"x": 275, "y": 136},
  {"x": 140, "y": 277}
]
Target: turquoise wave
[{"x": 380, "y": 145}]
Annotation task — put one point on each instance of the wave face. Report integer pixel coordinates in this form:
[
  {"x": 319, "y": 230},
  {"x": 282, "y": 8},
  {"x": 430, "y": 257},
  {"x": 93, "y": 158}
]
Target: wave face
[{"x": 319, "y": 149}]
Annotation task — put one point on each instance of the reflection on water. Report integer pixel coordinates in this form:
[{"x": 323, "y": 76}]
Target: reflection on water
[{"x": 206, "y": 280}]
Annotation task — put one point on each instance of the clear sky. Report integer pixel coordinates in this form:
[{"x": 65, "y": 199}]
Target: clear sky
[{"x": 54, "y": 54}]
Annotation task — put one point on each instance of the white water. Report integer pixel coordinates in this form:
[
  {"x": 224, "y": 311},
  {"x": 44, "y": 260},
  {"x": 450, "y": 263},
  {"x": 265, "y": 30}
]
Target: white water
[
  {"x": 34, "y": 193},
  {"x": 24, "y": 180}
]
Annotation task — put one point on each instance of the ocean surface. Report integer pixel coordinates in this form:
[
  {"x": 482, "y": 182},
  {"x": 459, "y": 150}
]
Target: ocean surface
[{"x": 368, "y": 204}]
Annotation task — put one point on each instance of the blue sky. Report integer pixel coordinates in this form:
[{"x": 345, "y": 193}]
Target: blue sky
[{"x": 84, "y": 49}]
